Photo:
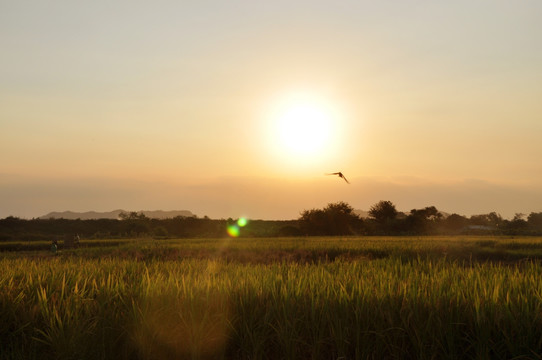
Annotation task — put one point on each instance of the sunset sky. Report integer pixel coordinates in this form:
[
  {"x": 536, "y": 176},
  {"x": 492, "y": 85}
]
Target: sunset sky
[{"x": 239, "y": 108}]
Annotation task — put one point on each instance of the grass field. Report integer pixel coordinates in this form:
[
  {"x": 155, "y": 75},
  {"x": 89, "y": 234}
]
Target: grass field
[{"x": 279, "y": 298}]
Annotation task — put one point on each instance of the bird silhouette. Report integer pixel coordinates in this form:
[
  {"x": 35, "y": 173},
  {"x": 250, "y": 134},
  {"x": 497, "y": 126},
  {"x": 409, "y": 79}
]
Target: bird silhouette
[{"x": 340, "y": 174}]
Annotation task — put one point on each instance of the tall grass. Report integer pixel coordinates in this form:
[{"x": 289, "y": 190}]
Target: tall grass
[{"x": 420, "y": 306}]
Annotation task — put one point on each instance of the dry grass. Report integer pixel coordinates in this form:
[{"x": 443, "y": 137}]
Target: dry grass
[{"x": 319, "y": 298}]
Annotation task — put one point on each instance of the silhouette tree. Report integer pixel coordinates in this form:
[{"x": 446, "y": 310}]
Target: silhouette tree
[
  {"x": 455, "y": 223},
  {"x": 535, "y": 221},
  {"x": 427, "y": 213},
  {"x": 383, "y": 215},
  {"x": 133, "y": 215},
  {"x": 422, "y": 221},
  {"x": 335, "y": 219},
  {"x": 492, "y": 220},
  {"x": 383, "y": 212},
  {"x": 518, "y": 223}
]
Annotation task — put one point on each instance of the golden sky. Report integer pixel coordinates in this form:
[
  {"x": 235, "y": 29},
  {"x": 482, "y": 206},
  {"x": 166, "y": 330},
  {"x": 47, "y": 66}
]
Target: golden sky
[{"x": 239, "y": 108}]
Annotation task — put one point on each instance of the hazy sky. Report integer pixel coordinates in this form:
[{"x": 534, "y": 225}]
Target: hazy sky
[{"x": 196, "y": 105}]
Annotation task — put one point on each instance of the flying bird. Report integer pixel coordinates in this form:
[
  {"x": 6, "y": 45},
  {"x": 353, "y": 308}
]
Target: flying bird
[{"x": 340, "y": 174}]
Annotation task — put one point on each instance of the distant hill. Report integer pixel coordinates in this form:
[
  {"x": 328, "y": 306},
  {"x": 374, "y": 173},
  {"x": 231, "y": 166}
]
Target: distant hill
[
  {"x": 115, "y": 214},
  {"x": 361, "y": 213}
]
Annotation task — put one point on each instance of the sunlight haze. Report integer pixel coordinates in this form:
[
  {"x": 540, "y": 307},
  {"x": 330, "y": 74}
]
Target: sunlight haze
[{"x": 239, "y": 108}]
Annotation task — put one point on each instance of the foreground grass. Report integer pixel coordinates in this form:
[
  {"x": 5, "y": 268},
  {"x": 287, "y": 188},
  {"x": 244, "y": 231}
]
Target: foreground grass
[{"x": 322, "y": 298}]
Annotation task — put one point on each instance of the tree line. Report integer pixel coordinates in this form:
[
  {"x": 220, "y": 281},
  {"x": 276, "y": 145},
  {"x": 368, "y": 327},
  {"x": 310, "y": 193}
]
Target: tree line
[
  {"x": 133, "y": 225},
  {"x": 335, "y": 219},
  {"x": 384, "y": 219}
]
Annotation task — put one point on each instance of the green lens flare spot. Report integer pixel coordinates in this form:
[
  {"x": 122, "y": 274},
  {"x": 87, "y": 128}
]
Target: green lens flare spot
[
  {"x": 233, "y": 230},
  {"x": 242, "y": 222}
]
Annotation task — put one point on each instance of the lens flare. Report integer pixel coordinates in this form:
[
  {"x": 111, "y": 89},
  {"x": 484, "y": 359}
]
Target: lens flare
[{"x": 233, "y": 230}]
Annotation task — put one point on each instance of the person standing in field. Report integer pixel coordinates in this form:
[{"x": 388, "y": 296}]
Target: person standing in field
[{"x": 54, "y": 247}]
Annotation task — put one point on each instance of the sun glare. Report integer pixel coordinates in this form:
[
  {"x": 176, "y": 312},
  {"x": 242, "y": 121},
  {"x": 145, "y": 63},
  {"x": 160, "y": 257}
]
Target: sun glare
[{"x": 302, "y": 129}]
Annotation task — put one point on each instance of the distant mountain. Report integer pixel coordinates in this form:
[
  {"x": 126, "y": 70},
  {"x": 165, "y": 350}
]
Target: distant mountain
[
  {"x": 115, "y": 214},
  {"x": 361, "y": 213}
]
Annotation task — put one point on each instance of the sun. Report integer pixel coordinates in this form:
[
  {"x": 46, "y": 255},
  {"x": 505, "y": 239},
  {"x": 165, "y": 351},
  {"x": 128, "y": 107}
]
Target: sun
[{"x": 302, "y": 128}]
